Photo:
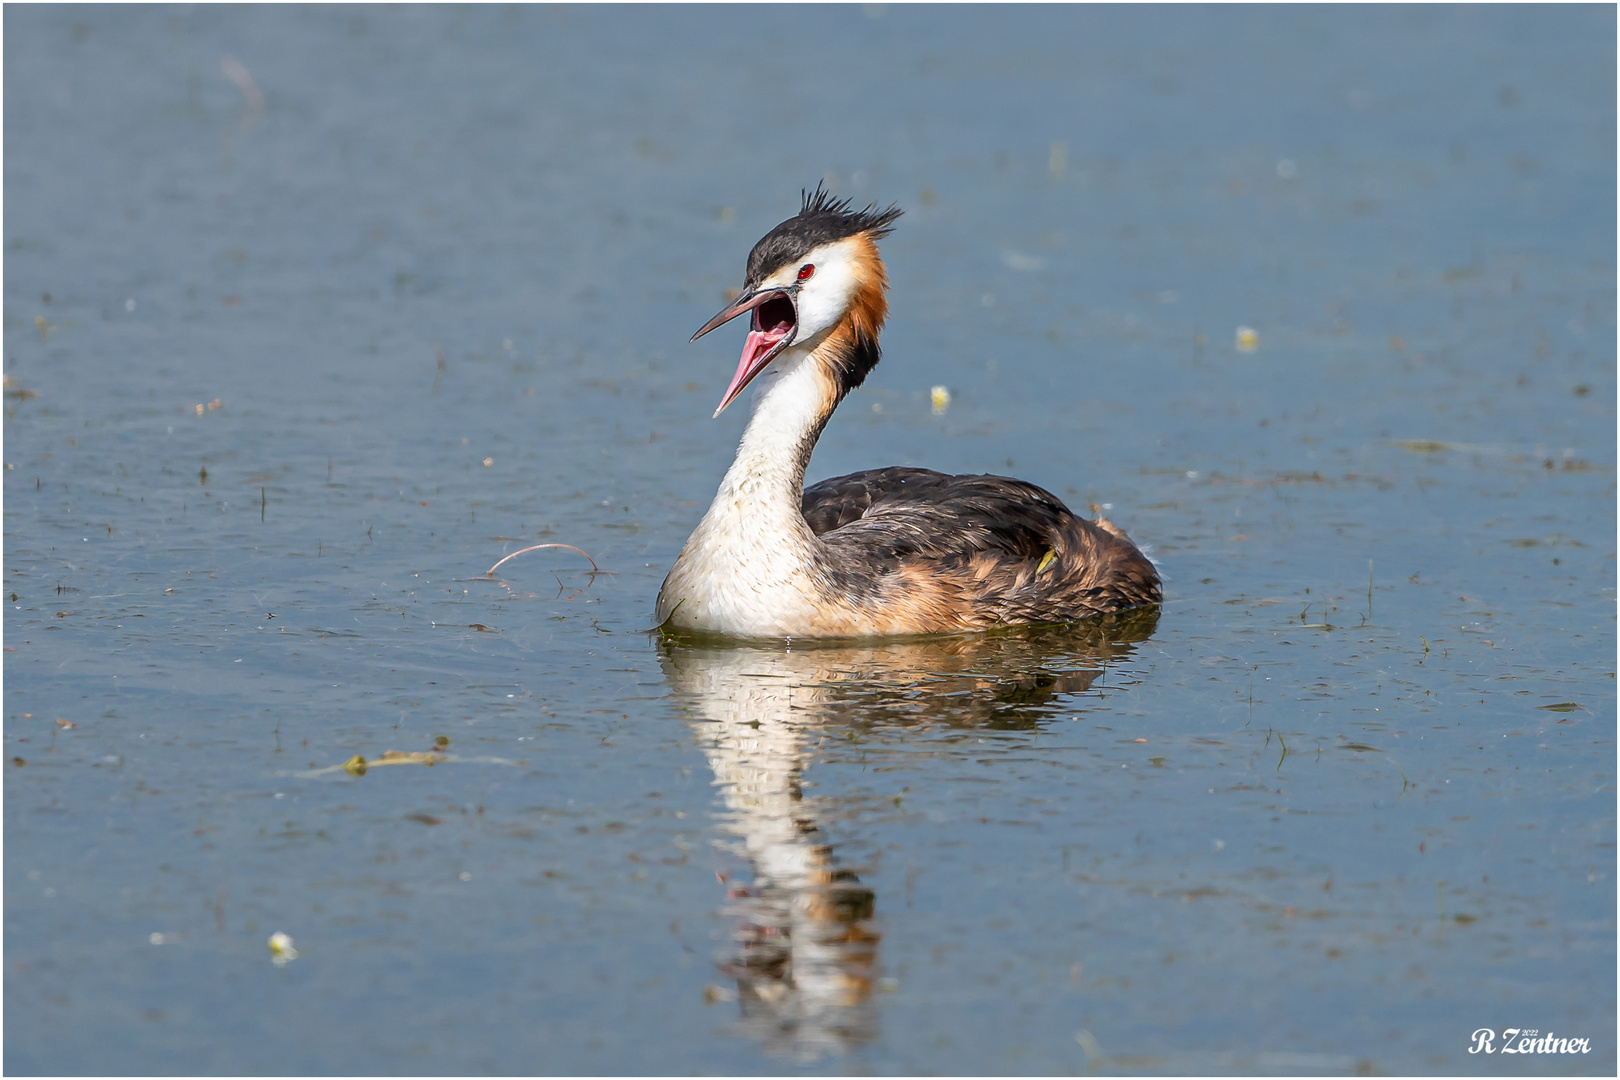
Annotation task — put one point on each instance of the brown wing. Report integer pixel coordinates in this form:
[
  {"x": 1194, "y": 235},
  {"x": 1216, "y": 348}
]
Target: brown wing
[{"x": 988, "y": 549}]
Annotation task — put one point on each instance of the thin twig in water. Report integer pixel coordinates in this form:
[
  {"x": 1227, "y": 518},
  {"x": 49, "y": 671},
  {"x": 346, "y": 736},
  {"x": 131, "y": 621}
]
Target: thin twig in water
[
  {"x": 524, "y": 551},
  {"x": 238, "y": 73},
  {"x": 561, "y": 588}
]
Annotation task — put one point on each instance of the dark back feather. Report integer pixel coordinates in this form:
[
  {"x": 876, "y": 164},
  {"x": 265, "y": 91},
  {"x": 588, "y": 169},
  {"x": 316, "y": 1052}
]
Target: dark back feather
[
  {"x": 967, "y": 513},
  {"x": 1012, "y": 552}
]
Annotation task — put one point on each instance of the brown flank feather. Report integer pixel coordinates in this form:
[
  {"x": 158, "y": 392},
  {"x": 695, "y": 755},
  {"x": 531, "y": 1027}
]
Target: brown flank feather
[{"x": 912, "y": 551}]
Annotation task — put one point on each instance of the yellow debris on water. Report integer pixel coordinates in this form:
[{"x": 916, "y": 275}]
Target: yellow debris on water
[
  {"x": 408, "y": 757},
  {"x": 940, "y": 398},
  {"x": 1057, "y": 159},
  {"x": 438, "y": 753},
  {"x": 1248, "y": 339},
  {"x": 357, "y": 765},
  {"x": 281, "y": 948}
]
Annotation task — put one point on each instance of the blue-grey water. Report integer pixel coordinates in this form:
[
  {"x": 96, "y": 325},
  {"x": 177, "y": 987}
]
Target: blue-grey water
[{"x": 312, "y": 314}]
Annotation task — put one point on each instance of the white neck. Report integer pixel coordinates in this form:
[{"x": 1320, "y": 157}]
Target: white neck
[
  {"x": 789, "y": 413},
  {"x": 748, "y": 568}
]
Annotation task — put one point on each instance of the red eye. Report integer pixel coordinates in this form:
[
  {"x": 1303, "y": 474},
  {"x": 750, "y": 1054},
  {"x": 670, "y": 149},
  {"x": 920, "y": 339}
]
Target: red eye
[{"x": 805, "y": 271}]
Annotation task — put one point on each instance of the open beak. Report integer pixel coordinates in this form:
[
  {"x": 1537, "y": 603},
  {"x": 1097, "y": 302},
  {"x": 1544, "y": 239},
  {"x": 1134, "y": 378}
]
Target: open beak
[{"x": 774, "y": 324}]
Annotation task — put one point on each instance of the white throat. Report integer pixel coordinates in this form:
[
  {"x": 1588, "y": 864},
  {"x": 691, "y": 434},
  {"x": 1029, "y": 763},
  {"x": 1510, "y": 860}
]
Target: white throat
[{"x": 790, "y": 409}]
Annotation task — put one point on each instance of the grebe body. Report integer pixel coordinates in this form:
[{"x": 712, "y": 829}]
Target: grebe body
[{"x": 878, "y": 553}]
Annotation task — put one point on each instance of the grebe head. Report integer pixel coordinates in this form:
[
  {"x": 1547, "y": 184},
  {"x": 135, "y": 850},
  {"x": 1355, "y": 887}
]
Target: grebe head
[{"x": 816, "y": 274}]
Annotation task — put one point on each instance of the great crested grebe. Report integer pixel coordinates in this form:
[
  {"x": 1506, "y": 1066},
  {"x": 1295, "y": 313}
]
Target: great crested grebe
[{"x": 878, "y": 553}]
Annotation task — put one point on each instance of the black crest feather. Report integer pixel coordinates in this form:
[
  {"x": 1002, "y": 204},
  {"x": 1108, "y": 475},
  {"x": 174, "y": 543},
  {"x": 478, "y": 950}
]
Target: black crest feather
[
  {"x": 877, "y": 222},
  {"x": 822, "y": 219}
]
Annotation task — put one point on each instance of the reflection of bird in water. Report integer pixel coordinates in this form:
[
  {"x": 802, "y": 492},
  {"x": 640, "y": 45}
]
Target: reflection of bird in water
[
  {"x": 804, "y": 950},
  {"x": 885, "y": 552}
]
